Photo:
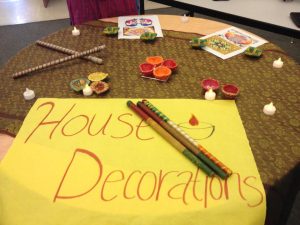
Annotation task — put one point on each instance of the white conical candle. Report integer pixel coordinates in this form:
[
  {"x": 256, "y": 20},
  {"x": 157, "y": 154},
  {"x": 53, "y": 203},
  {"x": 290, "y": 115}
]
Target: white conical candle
[
  {"x": 269, "y": 109},
  {"x": 210, "y": 95}
]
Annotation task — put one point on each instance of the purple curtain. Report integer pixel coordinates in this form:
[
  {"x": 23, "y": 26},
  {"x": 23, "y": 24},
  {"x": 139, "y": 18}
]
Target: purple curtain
[{"x": 84, "y": 10}]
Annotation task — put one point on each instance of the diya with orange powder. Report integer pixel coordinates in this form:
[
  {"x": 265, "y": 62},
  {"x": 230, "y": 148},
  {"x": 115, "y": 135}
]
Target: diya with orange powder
[
  {"x": 162, "y": 72},
  {"x": 155, "y": 60}
]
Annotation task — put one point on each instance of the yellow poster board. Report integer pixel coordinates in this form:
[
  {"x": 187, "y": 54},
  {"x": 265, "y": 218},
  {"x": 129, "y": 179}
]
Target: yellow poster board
[{"x": 94, "y": 161}]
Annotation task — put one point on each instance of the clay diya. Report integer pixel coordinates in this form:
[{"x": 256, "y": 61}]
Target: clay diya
[
  {"x": 97, "y": 76},
  {"x": 230, "y": 91},
  {"x": 253, "y": 52},
  {"x": 111, "y": 30},
  {"x": 79, "y": 84},
  {"x": 198, "y": 43},
  {"x": 162, "y": 73},
  {"x": 155, "y": 60},
  {"x": 210, "y": 83},
  {"x": 170, "y": 63},
  {"x": 99, "y": 87},
  {"x": 147, "y": 69},
  {"x": 148, "y": 36}
]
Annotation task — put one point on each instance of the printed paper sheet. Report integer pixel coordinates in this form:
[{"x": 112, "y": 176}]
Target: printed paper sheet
[
  {"x": 230, "y": 42},
  {"x": 132, "y": 27}
]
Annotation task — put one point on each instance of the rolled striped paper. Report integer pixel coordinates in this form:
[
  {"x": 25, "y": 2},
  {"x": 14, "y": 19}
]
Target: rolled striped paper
[
  {"x": 202, "y": 153},
  {"x": 183, "y": 140},
  {"x": 68, "y": 51},
  {"x": 58, "y": 61},
  {"x": 168, "y": 137}
]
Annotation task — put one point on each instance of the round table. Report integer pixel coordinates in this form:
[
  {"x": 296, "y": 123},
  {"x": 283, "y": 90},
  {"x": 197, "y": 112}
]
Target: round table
[{"x": 274, "y": 140}]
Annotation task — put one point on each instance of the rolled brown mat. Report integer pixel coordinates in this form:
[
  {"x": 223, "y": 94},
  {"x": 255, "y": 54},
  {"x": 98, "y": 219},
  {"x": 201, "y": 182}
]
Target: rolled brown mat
[
  {"x": 58, "y": 61},
  {"x": 68, "y": 51}
]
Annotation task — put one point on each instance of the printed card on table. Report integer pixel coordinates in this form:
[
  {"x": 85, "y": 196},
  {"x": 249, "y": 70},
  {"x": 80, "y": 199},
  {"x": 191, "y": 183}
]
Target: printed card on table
[
  {"x": 230, "y": 42},
  {"x": 132, "y": 27}
]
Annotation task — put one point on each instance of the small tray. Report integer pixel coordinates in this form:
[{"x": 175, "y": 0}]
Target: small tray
[
  {"x": 154, "y": 78},
  {"x": 79, "y": 84}
]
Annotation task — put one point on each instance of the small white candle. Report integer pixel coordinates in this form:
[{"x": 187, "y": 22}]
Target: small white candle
[
  {"x": 28, "y": 94},
  {"x": 269, "y": 109},
  {"x": 75, "y": 32},
  {"x": 278, "y": 63},
  {"x": 210, "y": 95},
  {"x": 184, "y": 19},
  {"x": 87, "y": 90}
]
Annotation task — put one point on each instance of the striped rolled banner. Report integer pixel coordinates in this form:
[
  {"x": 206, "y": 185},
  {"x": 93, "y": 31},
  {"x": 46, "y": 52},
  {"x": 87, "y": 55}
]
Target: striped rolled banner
[
  {"x": 68, "y": 51},
  {"x": 58, "y": 61}
]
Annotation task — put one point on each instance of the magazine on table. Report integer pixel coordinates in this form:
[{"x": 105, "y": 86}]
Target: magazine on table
[
  {"x": 230, "y": 42},
  {"x": 132, "y": 27}
]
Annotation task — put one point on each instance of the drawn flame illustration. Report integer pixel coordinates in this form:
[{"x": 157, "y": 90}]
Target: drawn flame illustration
[{"x": 193, "y": 120}]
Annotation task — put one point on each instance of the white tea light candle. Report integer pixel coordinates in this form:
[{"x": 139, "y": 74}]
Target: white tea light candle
[
  {"x": 269, "y": 109},
  {"x": 210, "y": 95},
  {"x": 184, "y": 19},
  {"x": 28, "y": 94},
  {"x": 87, "y": 90},
  {"x": 75, "y": 32},
  {"x": 278, "y": 63}
]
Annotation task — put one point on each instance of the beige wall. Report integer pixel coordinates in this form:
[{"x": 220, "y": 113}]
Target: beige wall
[{"x": 153, "y": 5}]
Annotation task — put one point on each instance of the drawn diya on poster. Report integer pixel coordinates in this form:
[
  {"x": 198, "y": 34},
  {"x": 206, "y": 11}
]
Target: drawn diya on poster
[{"x": 198, "y": 130}]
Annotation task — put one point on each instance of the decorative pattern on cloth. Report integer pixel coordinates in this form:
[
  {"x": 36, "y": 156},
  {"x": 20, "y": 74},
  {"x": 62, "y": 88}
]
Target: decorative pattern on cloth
[{"x": 275, "y": 140}]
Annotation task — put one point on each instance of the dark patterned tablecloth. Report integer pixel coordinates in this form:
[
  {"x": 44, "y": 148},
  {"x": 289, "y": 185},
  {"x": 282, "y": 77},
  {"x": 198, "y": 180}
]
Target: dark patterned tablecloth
[{"x": 274, "y": 140}]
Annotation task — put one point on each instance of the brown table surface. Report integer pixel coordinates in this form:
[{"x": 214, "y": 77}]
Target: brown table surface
[{"x": 274, "y": 140}]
